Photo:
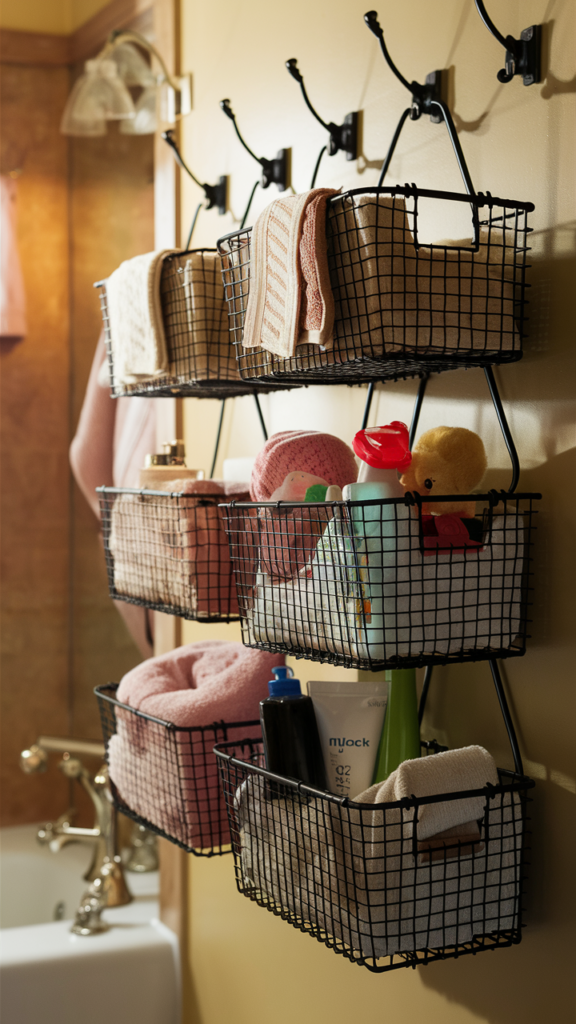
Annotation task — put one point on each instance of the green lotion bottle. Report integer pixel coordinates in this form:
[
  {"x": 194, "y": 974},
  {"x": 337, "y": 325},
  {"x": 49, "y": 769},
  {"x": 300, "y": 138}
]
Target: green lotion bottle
[{"x": 401, "y": 733}]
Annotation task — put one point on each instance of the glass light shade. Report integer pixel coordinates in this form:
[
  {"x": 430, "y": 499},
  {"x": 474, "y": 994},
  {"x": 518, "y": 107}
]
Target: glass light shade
[
  {"x": 99, "y": 95},
  {"x": 132, "y": 67},
  {"x": 146, "y": 120}
]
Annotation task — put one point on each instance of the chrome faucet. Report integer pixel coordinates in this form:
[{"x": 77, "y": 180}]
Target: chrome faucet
[{"x": 106, "y": 863}]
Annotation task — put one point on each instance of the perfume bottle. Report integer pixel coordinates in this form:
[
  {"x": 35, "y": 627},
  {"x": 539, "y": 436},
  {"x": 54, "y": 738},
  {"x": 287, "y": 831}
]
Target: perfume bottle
[{"x": 160, "y": 469}]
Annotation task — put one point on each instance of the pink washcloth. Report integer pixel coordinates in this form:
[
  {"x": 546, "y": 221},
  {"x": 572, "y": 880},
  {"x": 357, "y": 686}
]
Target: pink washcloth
[
  {"x": 304, "y": 451},
  {"x": 169, "y": 776}
]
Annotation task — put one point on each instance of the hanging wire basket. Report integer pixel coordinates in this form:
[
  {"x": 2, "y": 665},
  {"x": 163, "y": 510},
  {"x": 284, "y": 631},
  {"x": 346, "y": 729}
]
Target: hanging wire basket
[
  {"x": 202, "y": 360},
  {"x": 358, "y": 877},
  {"x": 165, "y": 777},
  {"x": 379, "y": 584},
  {"x": 168, "y": 551},
  {"x": 402, "y": 308}
]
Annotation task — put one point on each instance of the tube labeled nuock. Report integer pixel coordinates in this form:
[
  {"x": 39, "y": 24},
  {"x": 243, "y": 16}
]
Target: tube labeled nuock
[{"x": 349, "y": 717}]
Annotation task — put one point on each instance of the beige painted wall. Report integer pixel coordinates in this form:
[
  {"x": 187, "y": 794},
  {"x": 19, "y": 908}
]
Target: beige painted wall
[{"x": 245, "y": 964}]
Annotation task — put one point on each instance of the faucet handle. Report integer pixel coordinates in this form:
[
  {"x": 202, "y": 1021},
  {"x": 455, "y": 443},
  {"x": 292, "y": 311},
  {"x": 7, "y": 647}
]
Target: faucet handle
[
  {"x": 35, "y": 759},
  {"x": 88, "y": 920}
]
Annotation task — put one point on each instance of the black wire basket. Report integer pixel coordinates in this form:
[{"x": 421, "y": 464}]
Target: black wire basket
[
  {"x": 379, "y": 584},
  {"x": 168, "y": 551},
  {"x": 358, "y": 878},
  {"x": 202, "y": 361},
  {"x": 402, "y": 308},
  {"x": 165, "y": 777}
]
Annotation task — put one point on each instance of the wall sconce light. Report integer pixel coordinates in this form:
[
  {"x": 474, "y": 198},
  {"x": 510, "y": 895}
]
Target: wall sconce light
[{"x": 102, "y": 94}]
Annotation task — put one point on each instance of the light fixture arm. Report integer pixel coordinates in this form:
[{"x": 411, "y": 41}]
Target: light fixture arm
[{"x": 126, "y": 35}]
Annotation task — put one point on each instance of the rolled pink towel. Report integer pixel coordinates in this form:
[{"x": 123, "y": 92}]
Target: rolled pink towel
[
  {"x": 170, "y": 776},
  {"x": 304, "y": 451},
  {"x": 288, "y": 537}
]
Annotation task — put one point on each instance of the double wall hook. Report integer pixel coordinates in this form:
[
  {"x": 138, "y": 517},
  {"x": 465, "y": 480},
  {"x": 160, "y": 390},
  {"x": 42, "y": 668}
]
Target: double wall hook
[
  {"x": 342, "y": 136},
  {"x": 215, "y": 194},
  {"x": 522, "y": 55},
  {"x": 426, "y": 99},
  {"x": 273, "y": 171}
]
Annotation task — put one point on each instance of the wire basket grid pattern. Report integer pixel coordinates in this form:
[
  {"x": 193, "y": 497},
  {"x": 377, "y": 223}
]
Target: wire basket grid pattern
[
  {"x": 402, "y": 309},
  {"x": 168, "y": 551},
  {"x": 374, "y": 585},
  {"x": 202, "y": 361},
  {"x": 358, "y": 878},
  {"x": 165, "y": 777}
]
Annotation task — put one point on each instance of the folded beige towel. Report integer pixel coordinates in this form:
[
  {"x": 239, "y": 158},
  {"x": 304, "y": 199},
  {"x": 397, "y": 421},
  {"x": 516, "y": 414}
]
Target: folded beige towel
[
  {"x": 391, "y": 297},
  {"x": 196, "y": 318},
  {"x": 136, "y": 327},
  {"x": 290, "y": 300},
  {"x": 448, "y": 772}
]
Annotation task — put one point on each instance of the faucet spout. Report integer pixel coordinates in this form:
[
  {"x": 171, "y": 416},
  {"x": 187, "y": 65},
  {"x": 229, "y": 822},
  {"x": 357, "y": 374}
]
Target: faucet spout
[{"x": 106, "y": 864}]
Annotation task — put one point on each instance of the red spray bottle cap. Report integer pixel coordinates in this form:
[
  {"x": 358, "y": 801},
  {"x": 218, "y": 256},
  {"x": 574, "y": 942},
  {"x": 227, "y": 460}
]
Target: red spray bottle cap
[{"x": 384, "y": 447}]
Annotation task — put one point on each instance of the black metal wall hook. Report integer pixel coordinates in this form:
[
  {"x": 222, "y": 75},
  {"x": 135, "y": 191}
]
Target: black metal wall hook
[
  {"x": 522, "y": 55},
  {"x": 422, "y": 95},
  {"x": 342, "y": 136},
  {"x": 215, "y": 194},
  {"x": 426, "y": 99},
  {"x": 275, "y": 170}
]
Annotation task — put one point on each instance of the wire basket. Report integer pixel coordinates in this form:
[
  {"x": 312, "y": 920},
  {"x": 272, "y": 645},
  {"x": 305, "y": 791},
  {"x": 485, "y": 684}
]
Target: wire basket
[
  {"x": 165, "y": 777},
  {"x": 379, "y": 584},
  {"x": 402, "y": 308},
  {"x": 358, "y": 878},
  {"x": 168, "y": 551},
  {"x": 202, "y": 361}
]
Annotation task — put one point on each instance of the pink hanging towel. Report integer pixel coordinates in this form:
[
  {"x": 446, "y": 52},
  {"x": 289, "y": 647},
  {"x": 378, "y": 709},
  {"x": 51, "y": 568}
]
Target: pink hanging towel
[{"x": 12, "y": 296}]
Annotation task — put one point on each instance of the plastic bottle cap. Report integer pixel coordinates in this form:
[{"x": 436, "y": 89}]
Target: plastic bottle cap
[
  {"x": 384, "y": 447},
  {"x": 284, "y": 685}
]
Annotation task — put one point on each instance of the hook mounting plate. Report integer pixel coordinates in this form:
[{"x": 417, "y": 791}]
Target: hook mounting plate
[
  {"x": 276, "y": 171},
  {"x": 345, "y": 137},
  {"x": 527, "y": 61},
  {"x": 216, "y": 194},
  {"x": 432, "y": 90}
]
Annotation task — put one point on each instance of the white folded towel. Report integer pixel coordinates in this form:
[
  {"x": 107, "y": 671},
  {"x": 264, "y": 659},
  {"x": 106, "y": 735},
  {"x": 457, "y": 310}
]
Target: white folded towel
[
  {"x": 448, "y": 772},
  {"x": 135, "y": 310}
]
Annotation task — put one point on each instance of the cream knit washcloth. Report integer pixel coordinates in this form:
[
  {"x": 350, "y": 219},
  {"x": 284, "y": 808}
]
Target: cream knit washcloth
[
  {"x": 136, "y": 328},
  {"x": 282, "y": 271}
]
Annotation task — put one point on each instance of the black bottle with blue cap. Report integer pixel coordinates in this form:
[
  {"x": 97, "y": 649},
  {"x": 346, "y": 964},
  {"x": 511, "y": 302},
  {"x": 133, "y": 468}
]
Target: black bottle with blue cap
[{"x": 291, "y": 740}]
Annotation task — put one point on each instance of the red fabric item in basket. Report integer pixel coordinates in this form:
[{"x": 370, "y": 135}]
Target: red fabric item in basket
[
  {"x": 449, "y": 533},
  {"x": 170, "y": 777}
]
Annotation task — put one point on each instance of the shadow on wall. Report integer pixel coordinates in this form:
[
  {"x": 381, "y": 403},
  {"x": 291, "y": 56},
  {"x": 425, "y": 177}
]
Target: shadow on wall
[{"x": 534, "y": 976}]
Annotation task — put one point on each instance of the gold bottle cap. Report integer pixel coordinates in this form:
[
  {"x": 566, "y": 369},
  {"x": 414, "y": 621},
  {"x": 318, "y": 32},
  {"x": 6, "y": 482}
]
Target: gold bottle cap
[
  {"x": 156, "y": 460},
  {"x": 175, "y": 452}
]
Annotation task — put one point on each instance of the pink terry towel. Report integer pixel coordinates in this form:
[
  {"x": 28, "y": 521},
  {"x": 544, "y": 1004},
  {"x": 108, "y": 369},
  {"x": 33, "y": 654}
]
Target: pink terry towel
[
  {"x": 12, "y": 295},
  {"x": 112, "y": 438},
  {"x": 170, "y": 776},
  {"x": 173, "y": 550}
]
